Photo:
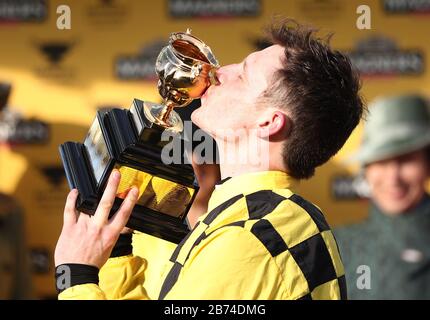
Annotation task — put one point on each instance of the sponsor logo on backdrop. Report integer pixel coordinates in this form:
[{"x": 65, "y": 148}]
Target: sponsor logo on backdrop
[
  {"x": 139, "y": 66},
  {"x": 54, "y": 53},
  {"x": 347, "y": 187},
  {"x": 214, "y": 8},
  {"x": 406, "y": 6},
  {"x": 54, "y": 174},
  {"x": 23, "y": 10},
  {"x": 23, "y": 131},
  {"x": 380, "y": 56},
  {"x": 321, "y": 10},
  {"x": 109, "y": 13},
  {"x": 49, "y": 198},
  {"x": 14, "y": 129}
]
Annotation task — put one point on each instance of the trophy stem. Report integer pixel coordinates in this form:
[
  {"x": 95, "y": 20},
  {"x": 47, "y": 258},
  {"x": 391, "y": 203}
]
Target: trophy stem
[
  {"x": 165, "y": 113},
  {"x": 164, "y": 116}
]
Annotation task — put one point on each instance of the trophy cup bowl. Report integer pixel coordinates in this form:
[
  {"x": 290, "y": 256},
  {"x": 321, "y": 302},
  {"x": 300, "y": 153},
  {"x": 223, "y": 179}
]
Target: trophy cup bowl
[
  {"x": 185, "y": 69},
  {"x": 130, "y": 140}
]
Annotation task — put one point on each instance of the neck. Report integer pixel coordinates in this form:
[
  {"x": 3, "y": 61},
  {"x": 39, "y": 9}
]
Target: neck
[{"x": 240, "y": 159}]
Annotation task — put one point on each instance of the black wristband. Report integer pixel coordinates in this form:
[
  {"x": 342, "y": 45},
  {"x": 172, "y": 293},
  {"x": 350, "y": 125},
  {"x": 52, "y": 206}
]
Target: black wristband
[
  {"x": 123, "y": 246},
  {"x": 72, "y": 274}
]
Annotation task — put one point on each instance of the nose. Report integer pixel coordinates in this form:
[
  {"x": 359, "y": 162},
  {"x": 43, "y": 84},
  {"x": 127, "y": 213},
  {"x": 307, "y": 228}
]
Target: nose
[
  {"x": 224, "y": 72},
  {"x": 393, "y": 173}
]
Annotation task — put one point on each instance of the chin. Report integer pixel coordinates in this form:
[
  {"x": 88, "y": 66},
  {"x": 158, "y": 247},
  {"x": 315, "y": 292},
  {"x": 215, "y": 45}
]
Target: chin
[{"x": 197, "y": 117}]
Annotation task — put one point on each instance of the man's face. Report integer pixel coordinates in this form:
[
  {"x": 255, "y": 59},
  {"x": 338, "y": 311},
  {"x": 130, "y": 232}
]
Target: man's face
[
  {"x": 398, "y": 184},
  {"x": 232, "y": 104}
]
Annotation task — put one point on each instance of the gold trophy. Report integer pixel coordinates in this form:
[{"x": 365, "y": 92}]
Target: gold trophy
[
  {"x": 131, "y": 141},
  {"x": 185, "y": 68}
]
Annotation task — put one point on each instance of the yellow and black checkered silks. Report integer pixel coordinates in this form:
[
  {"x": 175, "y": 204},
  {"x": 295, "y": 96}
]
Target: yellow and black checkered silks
[
  {"x": 258, "y": 240},
  {"x": 286, "y": 235}
]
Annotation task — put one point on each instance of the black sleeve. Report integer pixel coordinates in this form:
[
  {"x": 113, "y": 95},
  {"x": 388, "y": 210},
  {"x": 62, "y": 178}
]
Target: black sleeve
[{"x": 72, "y": 274}]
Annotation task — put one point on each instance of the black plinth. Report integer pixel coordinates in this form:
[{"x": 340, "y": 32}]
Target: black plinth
[{"x": 128, "y": 141}]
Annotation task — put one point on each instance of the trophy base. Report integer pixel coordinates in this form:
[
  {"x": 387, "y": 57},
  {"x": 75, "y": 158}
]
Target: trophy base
[
  {"x": 128, "y": 141},
  {"x": 142, "y": 218}
]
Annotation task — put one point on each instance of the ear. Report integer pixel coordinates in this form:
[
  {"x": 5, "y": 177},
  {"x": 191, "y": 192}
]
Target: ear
[{"x": 274, "y": 126}]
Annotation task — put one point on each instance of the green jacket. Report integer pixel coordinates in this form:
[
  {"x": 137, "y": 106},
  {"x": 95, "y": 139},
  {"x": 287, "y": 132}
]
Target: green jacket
[{"x": 396, "y": 250}]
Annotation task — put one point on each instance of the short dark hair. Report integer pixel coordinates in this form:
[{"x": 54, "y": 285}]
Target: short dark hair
[{"x": 320, "y": 91}]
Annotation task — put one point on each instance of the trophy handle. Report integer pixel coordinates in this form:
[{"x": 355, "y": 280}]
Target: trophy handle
[{"x": 164, "y": 116}]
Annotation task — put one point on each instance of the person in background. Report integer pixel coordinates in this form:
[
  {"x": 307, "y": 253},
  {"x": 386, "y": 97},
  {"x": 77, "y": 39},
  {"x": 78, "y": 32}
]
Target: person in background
[
  {"x": 388, "y": 255},
  {"x": 14, "y": 265}
]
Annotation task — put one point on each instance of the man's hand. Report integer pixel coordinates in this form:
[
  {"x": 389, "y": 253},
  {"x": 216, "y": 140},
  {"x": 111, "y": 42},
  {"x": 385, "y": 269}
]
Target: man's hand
[{"x": 89, "y": 239}]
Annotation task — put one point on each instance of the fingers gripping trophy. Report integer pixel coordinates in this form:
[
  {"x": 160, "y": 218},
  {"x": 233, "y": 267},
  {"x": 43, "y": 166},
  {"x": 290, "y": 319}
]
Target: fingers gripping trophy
[{"x": 130, "y": 140}]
